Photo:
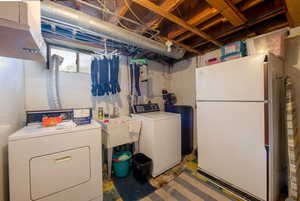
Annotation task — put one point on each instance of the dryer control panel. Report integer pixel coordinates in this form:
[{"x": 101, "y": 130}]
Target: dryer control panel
[{"x": 144, "y": 108}]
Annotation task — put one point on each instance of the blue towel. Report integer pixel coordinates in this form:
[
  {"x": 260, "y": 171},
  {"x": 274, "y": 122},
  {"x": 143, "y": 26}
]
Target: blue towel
[
  {"x": 94, "y": 76},
  {"x": 104, "y": 87},
  {"x": 137, "y": 79},
  {"x": 114, "y": 75}
]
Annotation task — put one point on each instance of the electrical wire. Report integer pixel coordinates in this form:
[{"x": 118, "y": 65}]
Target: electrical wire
[
  {"x": 103, "y": 5},
  {"x": 140, "y": 21},
  {"x": 133, "y": 13}
]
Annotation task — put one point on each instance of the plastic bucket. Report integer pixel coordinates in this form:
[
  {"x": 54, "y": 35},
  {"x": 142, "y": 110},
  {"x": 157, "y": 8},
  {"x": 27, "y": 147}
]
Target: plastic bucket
[{"x": 121, "y": 168}]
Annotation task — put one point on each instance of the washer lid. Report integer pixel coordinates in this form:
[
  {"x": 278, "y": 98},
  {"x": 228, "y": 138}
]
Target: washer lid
[
  {"x": 158, "y": 115},
  {"x": 36, "y": 130}
]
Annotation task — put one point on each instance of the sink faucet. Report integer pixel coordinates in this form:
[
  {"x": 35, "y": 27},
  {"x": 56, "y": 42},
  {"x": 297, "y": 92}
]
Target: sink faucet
[{"x": 115, "y": 113}]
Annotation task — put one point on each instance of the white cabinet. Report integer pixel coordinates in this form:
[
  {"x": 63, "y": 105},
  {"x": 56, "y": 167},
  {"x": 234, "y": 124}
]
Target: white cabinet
[
  {"x": 10, "y": 11},
  {"x": 20, "y": 31}
]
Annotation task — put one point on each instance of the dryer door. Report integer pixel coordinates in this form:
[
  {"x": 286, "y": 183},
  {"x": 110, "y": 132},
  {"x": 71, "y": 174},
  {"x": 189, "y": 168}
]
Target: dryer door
[{"x": 56, "y": 172}]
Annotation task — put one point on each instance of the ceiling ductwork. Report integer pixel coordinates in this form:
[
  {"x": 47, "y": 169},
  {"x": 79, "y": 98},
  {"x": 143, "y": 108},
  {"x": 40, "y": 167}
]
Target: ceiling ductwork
[{"x": 65, "y": 15}]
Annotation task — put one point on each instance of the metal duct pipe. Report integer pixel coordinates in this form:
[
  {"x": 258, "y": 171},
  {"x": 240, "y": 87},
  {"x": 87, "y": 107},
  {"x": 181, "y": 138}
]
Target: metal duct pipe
[
  {"x": 71, "y": 44},
  {"x": 66, "y": 15}
]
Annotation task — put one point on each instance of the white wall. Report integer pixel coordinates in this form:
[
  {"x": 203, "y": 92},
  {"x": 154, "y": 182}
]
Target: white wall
[
  {"x": 11, "y": 112},
  {"x": 74, "y": 88},
  {"x": 184, "y": 86}
]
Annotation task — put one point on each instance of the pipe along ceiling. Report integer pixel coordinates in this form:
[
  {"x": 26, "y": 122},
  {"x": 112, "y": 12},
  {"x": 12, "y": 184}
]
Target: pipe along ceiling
[{"x": 65, "y": 15}]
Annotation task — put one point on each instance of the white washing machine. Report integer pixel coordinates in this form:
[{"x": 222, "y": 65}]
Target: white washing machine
[
  {"x": 160, "y": 137},
  {"x": 56, "y": 163}
]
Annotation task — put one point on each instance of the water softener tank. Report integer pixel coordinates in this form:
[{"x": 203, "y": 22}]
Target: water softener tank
[{"x": 187, "y": 126}]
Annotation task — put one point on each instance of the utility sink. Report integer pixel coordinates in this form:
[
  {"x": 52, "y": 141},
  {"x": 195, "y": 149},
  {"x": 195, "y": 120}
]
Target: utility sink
[{"x": 118, "y": 131}]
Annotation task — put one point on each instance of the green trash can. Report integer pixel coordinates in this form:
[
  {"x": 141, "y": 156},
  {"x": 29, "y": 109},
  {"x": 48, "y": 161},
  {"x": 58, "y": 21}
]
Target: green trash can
[{"x": 121, "y": 163}]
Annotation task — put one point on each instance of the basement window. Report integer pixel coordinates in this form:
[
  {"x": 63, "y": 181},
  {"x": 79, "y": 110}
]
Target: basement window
[
  {"x": 74, "y": 62},
  {"x": 85, "y": 61}
]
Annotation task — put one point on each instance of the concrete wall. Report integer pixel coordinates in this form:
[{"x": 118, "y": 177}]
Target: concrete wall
[
  {"x": 11, "y": 112},
  {"x": 74, "y": 88}
]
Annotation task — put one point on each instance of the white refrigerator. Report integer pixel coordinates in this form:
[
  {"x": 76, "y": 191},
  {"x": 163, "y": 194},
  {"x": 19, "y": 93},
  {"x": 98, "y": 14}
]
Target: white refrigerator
[{"x": 238, "y": 123}]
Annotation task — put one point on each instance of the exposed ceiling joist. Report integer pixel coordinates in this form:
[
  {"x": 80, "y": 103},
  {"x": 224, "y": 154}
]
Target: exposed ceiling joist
[
  {"x": 229, "y": 11},
  {"x": 121, "y": 12},
  {"x": 258, "y": 20},
  {"x": 156, "y": 9},
  {"x": 245, "y": 6},
  {"x": 125, "y": 8},
  {"x": 207, "y": 26},
  {"x": 196, "y": 20},
  {"x": 249, "y": 4},
  {"x": 167, "y": 5},
  {"x": 293, "y": 13},
  {"x": 209, "y": 13}
]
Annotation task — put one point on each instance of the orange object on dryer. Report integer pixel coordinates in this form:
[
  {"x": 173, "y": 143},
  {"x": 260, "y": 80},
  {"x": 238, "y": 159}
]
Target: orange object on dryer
[{"x": 51, "y": 121}]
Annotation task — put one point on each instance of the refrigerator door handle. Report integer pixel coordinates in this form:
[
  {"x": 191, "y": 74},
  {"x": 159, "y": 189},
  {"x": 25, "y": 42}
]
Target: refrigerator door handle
[
  {"x": 266, "y": 105},
  {"x": 267, "y": 140}
]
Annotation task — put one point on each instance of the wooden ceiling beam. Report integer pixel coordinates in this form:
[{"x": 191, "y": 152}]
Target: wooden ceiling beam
[
  {"x": 196, "y": 20},
  {"x": 293, "y": 12},
  {"x": 121, "y": 12},
  {"x": 167, "y": 5},
  {"x": 249, "y": 4},
  {"x": 124, "y": 9},
  {"x": 229, "y": 11},
  {"x": 207, "y": 26},
  {"x": 209, "y": 13},
  {"x": 156, "y": 9},
  {"x": 277, "y": 26},
  {"x": 244, "y": 7},
  {"x": 258, "y": 20}
]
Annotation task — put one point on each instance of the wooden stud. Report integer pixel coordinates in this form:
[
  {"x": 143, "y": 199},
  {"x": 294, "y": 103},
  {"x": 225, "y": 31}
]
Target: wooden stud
[{"x": 156, "y": 9}]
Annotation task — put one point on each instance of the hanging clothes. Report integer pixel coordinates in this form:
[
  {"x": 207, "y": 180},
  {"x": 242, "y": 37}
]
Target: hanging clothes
[
  {"x": 131, "y": 78},
  {"x": 135, "y": 79},
  {"x": 114, "y": 75},
  {"x": 94, "y": 77},
  {"x": 103, "y": 69}
]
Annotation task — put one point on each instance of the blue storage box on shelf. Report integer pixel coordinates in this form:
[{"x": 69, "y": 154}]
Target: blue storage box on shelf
[
  {"x": 232, "y": 56},
  {"x": 233, "y": 51}
]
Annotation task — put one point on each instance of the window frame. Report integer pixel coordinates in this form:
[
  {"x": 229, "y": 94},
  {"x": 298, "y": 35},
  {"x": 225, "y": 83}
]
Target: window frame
[{"x": 69, "y": 50}]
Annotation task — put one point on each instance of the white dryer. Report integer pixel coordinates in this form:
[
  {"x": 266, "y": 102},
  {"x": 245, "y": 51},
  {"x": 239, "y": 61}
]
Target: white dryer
[
  {"x": 160, "y": 137},
  {"x": 56, "y": 164}
]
